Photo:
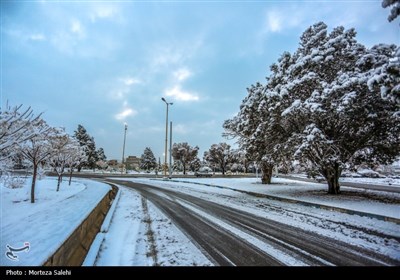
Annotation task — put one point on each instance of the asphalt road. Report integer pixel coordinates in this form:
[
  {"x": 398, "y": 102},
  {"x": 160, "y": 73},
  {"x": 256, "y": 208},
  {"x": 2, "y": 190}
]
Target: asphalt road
[{"x": 217, "y": 237}]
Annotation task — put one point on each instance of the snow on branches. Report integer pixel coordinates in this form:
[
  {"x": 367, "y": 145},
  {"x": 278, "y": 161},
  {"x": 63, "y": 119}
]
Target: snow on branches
[
  {"x": 330, "y": 104},
  {"x": 16, "y": 126}
]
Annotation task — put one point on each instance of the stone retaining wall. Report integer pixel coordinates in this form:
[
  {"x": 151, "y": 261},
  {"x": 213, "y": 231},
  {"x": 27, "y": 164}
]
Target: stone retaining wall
[{"x": 74, "y": 250}]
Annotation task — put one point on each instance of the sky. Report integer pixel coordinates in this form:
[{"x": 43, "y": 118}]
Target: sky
[{"x": 102, "y": 64}]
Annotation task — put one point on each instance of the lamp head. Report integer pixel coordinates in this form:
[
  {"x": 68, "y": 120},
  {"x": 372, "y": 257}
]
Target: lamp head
[{"x": 163, "y": 99}]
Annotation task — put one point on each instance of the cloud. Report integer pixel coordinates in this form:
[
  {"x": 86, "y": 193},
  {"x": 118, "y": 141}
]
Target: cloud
[
  {"x": 173, "y": 54},
  {"x": 182, "y": 74},
  {"x": 274, "y": 21},
  {"x": 167, "y": 56},
  {"x": 37, "y": 37},
  {"x": 103, "y": 12},
  {"x": 178, "y": 94},
  {"x": 128, "y": 81},
  {"x": 125, "y": 113},
  {"x": 180, "y": 129},
  {"x": 77, "y": 28},
  {"x": 122, "y": 87}
]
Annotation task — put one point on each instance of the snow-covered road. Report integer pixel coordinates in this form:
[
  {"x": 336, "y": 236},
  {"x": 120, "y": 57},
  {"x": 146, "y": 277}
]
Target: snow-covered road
[
  {"x": 261, "y": 232},
  {"x": 139, "y": 235}
]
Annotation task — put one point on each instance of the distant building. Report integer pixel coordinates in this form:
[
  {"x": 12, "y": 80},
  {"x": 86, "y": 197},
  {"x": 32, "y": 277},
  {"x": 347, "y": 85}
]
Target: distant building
[
  {"x": 132, "y": 162},
  {"x": 113, "y": 163}
]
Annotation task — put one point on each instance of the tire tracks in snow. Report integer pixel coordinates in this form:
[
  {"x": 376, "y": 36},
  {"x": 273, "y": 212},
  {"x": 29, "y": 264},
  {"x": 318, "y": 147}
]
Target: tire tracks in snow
[{"x": 226, "y": 248}]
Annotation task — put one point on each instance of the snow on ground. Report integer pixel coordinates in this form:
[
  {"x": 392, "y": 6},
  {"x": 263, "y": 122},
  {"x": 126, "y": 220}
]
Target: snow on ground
[
  {"x": 370, "y": 233},
  {"x": 48, "y": 222},
  {"x": 388, "y": 181},
  {"x": 373, "y": 181},
  {"x": 378, "y": 202},
  {"x": 139, "y": 234}
]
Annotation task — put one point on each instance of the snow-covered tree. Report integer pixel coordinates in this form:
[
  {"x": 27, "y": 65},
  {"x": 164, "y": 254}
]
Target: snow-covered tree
[
  {"x": 395, "y": 8},
  {"x": 101, "y": 159},
  {"x": 147, "y": 160},
  {"x": 101, "y": 155},
  {"x": 257, "y": 128},
  {"x": 323, "y": 106},
  {"x": 184, "y": 153},
  {"x": 334, "y": 118},
  {"x": 86, "y": 141},
  {"x": 16, "y": 127},
  {"x": 177, "y": 166},
  {"x": 242, "y": 160},
  {"x": 77, "y": 156},
  {"x": 195, "y": 164},
  {"x": 382, "y": 66},
  {"x": 62, "y": 146},
  {"x": 220, "y": 155},
  {"x": 37, "y": 149}
]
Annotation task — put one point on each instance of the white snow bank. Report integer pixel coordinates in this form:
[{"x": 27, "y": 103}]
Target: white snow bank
[{"x": 48, "y": 222}]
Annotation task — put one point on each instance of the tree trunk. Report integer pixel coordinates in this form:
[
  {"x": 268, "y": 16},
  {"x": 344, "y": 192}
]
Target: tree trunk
[
  {"x": 58, "y": 182},
  {"x": 266, "y": 170},
  {"x": 332, "y": 175},
  {"x": 70, "y": 177},
  {"x": 35, "y": 166},
  {"x": 184, "y": 168}
]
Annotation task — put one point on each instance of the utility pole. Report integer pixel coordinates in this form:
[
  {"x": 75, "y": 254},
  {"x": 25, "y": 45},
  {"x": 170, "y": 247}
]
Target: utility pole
[
  {"x": 123, "y": 149},
  {"x": 166, "y": 138}
]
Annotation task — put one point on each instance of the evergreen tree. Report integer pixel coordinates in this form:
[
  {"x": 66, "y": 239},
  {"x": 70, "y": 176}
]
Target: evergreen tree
[
  {"x": 147, "y": 160},
  {"x": 101, "y": 155},
  {"x": 395, "y": 8},
  {"x": 333, "y": 103},
  {"x": 87, "y": 142}
]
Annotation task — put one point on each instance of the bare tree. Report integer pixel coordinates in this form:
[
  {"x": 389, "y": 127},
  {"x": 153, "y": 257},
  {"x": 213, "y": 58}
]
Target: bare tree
[
  {"x": 76, "y": 158},
  {"x": 15, "y": 128},
  {"x": 60, "y": 143},
  {"x": 37, "y": 149}
]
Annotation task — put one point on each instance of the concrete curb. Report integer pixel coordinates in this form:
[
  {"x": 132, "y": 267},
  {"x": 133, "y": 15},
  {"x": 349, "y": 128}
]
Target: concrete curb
[
  {"x": 73, "y": 251},
  {"x": 94, "y": 249},
  {"x": 300, "y": 202}
]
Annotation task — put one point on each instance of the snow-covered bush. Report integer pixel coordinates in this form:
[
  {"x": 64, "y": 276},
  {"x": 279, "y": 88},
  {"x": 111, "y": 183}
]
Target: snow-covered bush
[{"x": 12, "y": 182}]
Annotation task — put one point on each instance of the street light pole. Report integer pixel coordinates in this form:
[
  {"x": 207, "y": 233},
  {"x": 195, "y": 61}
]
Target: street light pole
[
  {"x": 123, "y": 149},
  {"x": 170, "y": 149},
  {"x": 166, "y": 137}
]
